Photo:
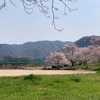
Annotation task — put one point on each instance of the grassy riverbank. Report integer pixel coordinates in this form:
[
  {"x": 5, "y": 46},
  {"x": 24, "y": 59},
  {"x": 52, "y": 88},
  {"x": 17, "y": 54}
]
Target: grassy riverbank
[{"x": 54, "y": 87}]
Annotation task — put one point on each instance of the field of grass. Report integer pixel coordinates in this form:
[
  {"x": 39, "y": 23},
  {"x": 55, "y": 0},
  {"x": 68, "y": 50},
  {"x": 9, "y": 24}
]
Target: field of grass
[{"x": 54, "y": 87}]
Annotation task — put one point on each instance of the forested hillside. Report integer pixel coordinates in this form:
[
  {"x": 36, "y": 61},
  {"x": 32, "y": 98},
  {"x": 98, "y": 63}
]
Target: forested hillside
[
  {"x": 85, "y": 41},
  {"x": 40, "y": 49},
  {"x": 33, "y": 50}
]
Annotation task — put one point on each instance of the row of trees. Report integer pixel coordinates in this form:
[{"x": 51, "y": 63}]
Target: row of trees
[
  {"x": 72, "y": 55},
  {"x": 22, "y": 61},
  {"x": 8, "y": 60}
]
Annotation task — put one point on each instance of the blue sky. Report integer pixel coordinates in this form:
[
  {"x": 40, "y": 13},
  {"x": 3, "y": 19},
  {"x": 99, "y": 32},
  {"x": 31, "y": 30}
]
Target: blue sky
[{"x": 17, "y": 27}]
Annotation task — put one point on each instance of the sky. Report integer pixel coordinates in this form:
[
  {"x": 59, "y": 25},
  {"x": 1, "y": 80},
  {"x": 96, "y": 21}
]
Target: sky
[{"x": 17, "y": 27}]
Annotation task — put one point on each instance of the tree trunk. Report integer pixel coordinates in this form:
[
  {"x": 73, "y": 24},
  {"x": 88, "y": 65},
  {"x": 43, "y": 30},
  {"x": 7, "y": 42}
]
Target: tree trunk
[
  {"x": 85, "y": 64},
  {"x": 72, "y": 62}
]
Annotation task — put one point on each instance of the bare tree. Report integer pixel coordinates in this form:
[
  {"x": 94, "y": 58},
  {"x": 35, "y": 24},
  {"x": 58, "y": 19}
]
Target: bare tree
[{"x": 47, "y": 7}]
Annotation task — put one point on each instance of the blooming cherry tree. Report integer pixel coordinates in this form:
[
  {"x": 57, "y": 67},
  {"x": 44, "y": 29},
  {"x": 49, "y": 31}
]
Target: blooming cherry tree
[
  {"x": 70, "y": 52},
  {"x": 57, "y": 59}
]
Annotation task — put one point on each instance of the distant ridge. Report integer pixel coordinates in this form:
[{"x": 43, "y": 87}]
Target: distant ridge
[
  {"x": 40, "y": 49},
  {"x": 85, "y": 41},
  {"x": 35, "y": 50}
]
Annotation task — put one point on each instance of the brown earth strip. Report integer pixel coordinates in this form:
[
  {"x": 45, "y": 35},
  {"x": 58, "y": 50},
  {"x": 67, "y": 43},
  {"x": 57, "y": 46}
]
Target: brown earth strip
[{"x": 42, "y": 72}]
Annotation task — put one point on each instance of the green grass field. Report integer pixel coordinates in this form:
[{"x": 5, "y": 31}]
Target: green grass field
[{"x": 54, "y": 87}]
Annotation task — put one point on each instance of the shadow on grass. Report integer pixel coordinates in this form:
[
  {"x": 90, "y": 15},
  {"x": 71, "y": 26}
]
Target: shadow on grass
[
  {"x": 33, "y": 78},
  {"x": 75, "y": 79}
]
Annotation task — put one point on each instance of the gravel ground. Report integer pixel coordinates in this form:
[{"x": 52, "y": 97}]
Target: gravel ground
[{"x": 42, "y": 72}]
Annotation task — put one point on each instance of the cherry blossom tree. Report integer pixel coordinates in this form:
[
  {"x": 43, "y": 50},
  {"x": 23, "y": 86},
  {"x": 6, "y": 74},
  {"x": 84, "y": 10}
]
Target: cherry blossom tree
[
  {"x": 57, "y": 59},
  {"x": 95, "y": 40},
  {"x": 86, "y": 55},
  {"x": 96, "y": 53},
  {"x": 71, "y": 52},
  {"x": 74, "y": 55}
]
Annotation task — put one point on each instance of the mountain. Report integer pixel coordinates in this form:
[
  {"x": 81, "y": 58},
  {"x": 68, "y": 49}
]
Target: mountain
[
  {"x": 85, "y": 41},
  {"x": 35, "y": 50},
  {"x": 40, "y": 49}
]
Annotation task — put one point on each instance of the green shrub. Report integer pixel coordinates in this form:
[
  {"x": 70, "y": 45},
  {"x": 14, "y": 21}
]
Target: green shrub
[
  {"x": 75, "y": 79},
  {"x": 98, "y": 72},
  {"x": 32, "y": 77}
]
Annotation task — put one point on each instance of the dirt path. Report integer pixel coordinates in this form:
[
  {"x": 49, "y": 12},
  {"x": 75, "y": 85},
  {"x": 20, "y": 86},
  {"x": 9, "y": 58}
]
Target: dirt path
[{"x": 41, "y": 72}]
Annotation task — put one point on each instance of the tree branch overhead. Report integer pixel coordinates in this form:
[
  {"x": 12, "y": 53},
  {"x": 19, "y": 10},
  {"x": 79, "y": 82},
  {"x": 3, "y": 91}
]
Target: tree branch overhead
[{"x": 47, "y": 7}]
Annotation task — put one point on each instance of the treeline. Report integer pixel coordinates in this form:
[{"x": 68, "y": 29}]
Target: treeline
[
  {"x": 13, "y": 61},
  {"x": 72, "y": 55}
]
